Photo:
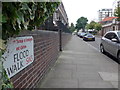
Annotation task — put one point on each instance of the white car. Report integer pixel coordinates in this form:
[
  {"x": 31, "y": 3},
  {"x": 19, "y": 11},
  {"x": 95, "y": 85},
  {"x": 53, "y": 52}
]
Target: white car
[{"x": 110, "y": 43}]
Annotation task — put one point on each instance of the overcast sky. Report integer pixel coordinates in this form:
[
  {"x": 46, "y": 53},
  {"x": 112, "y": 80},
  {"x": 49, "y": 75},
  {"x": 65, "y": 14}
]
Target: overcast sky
[{"x": 87, "y": 8}]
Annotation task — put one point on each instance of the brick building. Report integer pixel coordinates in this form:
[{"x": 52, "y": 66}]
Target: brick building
[
  {"x": 109, "y": 24},
  {"x": 108, "y": 20}
]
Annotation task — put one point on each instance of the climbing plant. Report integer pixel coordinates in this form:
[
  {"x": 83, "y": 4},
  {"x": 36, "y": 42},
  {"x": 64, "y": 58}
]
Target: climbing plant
[{"x": 19, "y": 16}]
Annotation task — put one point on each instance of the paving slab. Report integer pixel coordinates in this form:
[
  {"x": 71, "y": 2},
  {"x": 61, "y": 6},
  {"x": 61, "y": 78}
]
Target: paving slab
[
  {"x": 115, "y": 84},
  {"x": 106, "y": 76},
  {"x": 95, "y": 84},
  {"x": 87, "y": 76},
  {"x": 61, "y": 83},
  {"x": 61, "y": 74}
]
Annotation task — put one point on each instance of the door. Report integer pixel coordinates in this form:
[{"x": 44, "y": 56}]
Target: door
[{"x": 113, "y": 46}]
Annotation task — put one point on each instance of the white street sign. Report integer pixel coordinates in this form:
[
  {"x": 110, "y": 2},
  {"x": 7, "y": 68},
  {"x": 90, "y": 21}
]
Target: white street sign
[{"x": 19, "y": 54}]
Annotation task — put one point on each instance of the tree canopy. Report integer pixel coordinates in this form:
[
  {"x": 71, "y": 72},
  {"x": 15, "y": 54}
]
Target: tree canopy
[
  {"x": 72, "y": 27},
  {"x": 117, "y": 13},
  {"x": 98, "y": 26},
  {"x": 81, "y": 23},
  {"x": 94, "y": 25},
  {"x": 91, "y": 25}
]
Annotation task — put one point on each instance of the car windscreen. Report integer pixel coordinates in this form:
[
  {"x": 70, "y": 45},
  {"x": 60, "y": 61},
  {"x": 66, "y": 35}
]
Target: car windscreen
[
  {"x": 118, "y": 34},
  {"x": 83, "y": 34},
  {"x": 89, "y": 35}
]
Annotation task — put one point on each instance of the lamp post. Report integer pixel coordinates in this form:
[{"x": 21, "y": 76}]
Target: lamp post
[{"x": 57, "y": 24}]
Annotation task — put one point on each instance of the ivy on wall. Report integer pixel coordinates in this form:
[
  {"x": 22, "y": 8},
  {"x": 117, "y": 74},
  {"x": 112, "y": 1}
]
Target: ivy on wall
[{"x": 19, "y": 16}]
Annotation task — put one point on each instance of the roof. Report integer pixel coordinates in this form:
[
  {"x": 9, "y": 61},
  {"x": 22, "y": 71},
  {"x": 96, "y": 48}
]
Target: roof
[{"x": 109, "y": 18}]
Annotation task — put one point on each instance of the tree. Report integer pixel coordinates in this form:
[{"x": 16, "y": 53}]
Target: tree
[
  {"x": 92, "y": 25},
  {"x": 81, "y": 23},
  {"x": 98, "y": 26},
  {"x": 117, "y": 13},
  {"x": 87, "y": 26},
  {"x": 72, "y": 27}
]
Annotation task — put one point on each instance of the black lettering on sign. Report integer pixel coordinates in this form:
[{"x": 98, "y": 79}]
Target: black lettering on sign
[
  {"x": 14, "y": 68},
  {"x": 21, "y": 55},
  {"x": 15, "y": 57},
  {"x": 27, "y": 52},
  {"x": 24, "y": 55}
]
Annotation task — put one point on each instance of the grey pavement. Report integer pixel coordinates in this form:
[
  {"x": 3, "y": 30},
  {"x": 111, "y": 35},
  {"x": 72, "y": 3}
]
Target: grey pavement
[{"x": 81, "y": 66}]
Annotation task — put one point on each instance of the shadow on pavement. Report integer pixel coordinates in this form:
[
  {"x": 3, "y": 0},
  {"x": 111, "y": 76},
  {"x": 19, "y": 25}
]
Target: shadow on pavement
[{"x": 113, "y": 58}]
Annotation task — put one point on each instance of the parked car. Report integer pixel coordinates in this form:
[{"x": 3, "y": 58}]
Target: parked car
[
  {"x": 82, "y": 34},
  {"x": 110, "y": 43},
  {"x": 89, "y": 37}
]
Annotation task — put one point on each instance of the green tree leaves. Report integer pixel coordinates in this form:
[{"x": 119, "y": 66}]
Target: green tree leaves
[
  {"x": 94, "y": 25},
  {"x": 117, "y": 13},
  {"x": 98, "y": 26},
  {"x": 18, "y": 16},
  {"x": 81, "y": 23},
  {"x": 91, "y": 25},
  {"x": 72, "y": 27}
]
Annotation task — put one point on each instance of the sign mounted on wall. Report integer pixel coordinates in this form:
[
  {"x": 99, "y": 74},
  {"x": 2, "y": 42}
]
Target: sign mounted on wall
[{"x": 19, "y": 54}]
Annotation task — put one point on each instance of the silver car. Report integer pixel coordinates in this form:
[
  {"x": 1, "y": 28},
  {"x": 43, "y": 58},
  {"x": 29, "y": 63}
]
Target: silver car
[{"x": 110, "y": 43}]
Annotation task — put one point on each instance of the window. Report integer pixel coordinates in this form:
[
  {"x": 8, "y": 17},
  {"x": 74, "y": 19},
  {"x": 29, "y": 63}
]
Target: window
[
  {"x": 118, "y": 34},
  {"x": 111, "y": 36}
]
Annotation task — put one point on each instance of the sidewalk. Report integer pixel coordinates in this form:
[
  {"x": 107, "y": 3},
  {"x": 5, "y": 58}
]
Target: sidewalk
[{"x": 81, "y": 66}]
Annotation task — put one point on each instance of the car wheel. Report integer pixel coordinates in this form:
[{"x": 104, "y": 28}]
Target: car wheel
[
  {"x": 102, "y": 49},
  {"x": 118, "y": 57}
]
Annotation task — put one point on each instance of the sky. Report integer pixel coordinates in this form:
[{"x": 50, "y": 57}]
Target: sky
[{"x": 86, "y": 8}]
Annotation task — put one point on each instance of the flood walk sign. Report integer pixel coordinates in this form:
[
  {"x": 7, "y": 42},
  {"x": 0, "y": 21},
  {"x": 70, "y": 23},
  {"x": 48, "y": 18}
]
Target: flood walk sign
[{"x": 19, "y": 54}]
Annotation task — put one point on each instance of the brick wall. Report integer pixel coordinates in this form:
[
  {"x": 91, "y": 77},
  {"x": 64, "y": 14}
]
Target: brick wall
[{"x": 46, "y": 52}]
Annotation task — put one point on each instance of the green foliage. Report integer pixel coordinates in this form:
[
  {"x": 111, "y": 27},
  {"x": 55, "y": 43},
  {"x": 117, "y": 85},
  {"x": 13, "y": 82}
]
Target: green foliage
[
  {"x": 87, "y": 26},
  {"x": 98, "y": 26},
  {"x": 18, "y": 16},
  {"x": 94, "y": 25},
  {"x": 81, "y": 23},
  {"x": 117, "y": 13},
  {"x": 72, "y": 27},
  {"x": 6, "y": 81}
]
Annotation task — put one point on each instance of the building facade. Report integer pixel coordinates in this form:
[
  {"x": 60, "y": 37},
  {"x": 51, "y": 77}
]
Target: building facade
[
  {"x": 60, "y": 15},
  {"x": 109, "y": 24},
  {"x": 59, "y": 19},
  {"x": 104, "y": 13}
]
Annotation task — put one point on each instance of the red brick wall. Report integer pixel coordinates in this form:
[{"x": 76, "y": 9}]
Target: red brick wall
[{"x": 46, "y": 50}]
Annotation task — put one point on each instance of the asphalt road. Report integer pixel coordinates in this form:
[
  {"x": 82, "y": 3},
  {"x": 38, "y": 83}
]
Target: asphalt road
[{"x": 96, "y": 45}]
